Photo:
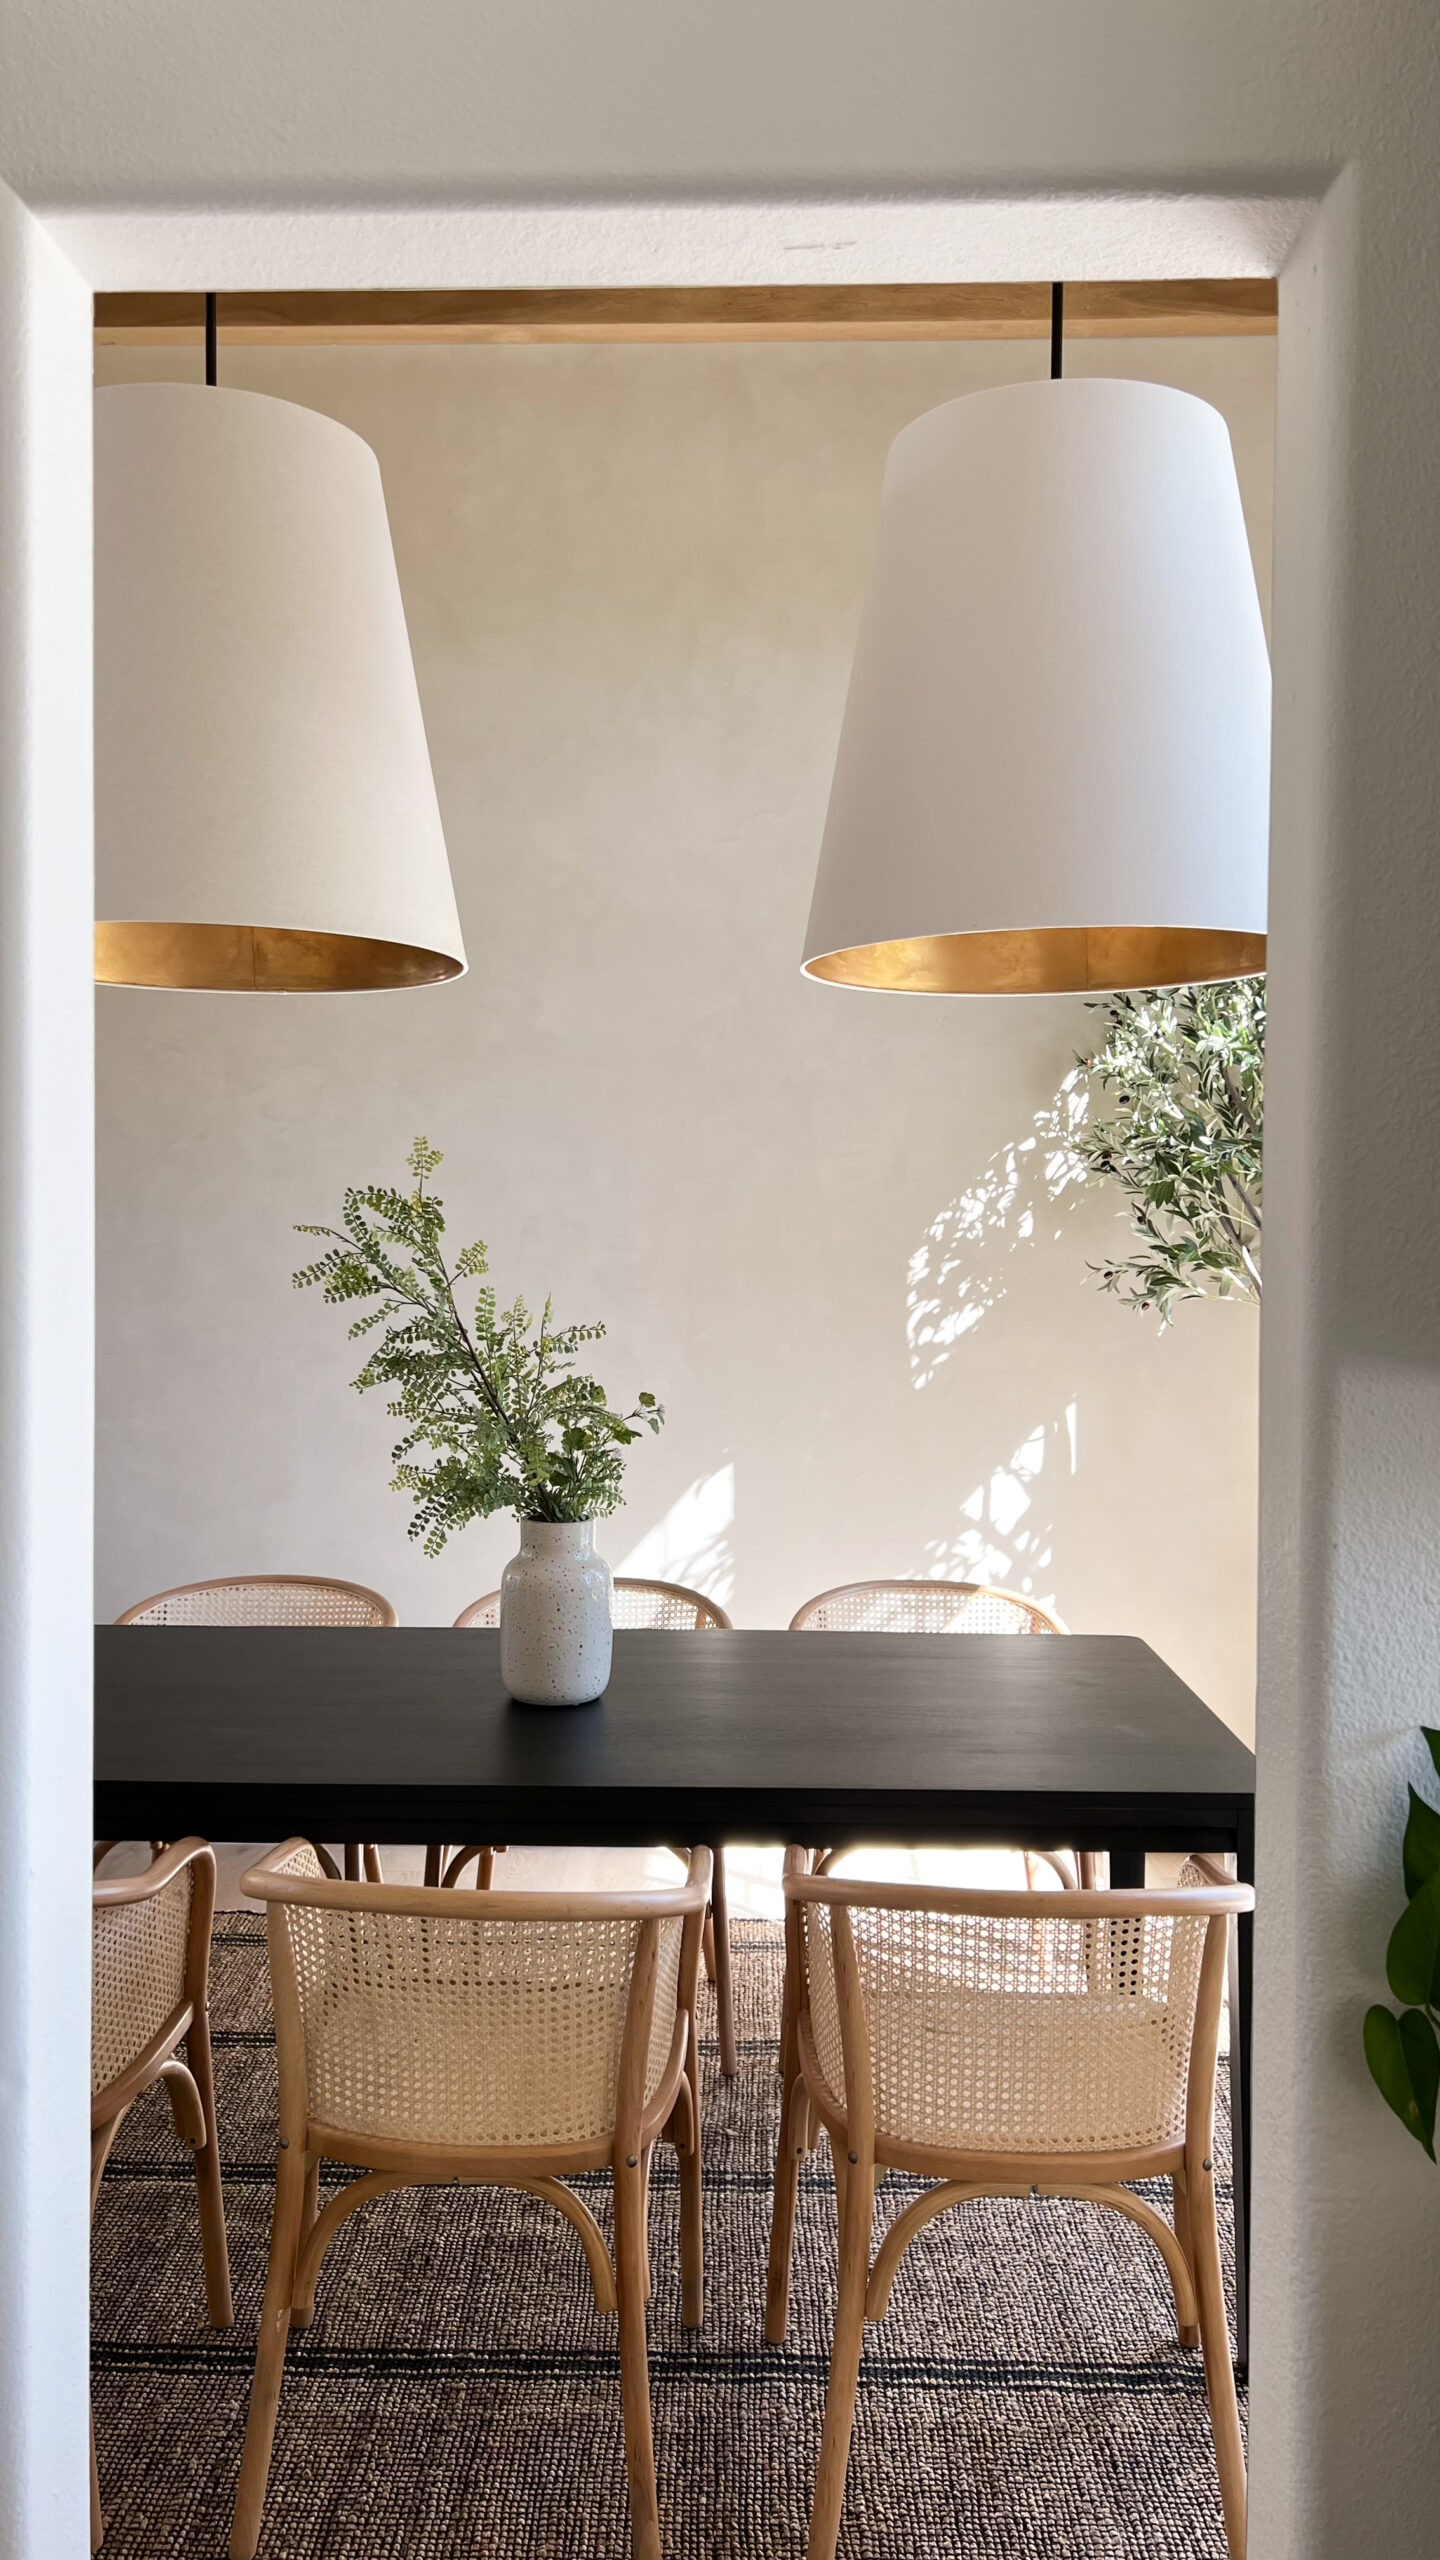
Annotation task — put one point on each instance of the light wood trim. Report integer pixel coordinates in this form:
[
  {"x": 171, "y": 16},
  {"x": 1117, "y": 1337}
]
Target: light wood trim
[
  {"x": 1190, "y": 2250},
  {"x": 1136, "y": 1903},
  {"x": 685, "y": 315},
  {"x": 801, "y": 1624},
  {"x": 916, "y": 2215},
  {"x": 300, "y": 2236},
  {"x": 265, "y": 1883},
  {"x": 384, "y": 1610}
]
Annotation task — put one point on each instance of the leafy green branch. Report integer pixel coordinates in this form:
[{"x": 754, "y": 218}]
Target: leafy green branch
[
  {"x": 1178, "y": 1080},
  {"x": 507, "y": 1419},
  {"x": 1404, "y": 2053}
]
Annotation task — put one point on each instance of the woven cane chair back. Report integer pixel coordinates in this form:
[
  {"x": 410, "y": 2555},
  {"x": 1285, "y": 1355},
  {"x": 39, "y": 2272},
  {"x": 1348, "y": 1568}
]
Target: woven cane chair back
[
  {"x": 636, "y": 1604},
  {"x": 140, "y": 1951},
  {"x": 1000, "y": 2023},
  {"x": 466, "y": 2019},
  {"x": 263, "y": 1600},
  {"x": 925, "y": 1609}
]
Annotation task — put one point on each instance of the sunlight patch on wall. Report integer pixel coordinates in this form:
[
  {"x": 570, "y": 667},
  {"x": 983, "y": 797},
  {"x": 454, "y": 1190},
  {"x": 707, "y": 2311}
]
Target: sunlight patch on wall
[
  {"x": 693, "y": 1543},
  {"x": 957, "y": 1274},
  {"x": 1007, "y": 1529}
]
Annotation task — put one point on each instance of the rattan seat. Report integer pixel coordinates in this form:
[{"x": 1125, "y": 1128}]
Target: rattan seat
[
  {"x": 636, "y": 1603},
  {"x": 430, "y": 2035},
  {"x": 1004, "y": 2045},
  {"x": 151, "y": 1949}
]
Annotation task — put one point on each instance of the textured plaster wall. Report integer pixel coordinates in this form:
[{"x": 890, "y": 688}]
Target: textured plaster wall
[{"x": 838, "y": 1234}]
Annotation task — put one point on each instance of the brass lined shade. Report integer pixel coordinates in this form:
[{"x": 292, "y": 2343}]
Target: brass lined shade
[
  {"x": 265, "y": 812},
  {"x": 251, "y": 959},
  {"x": 1038, "y": 964},
  {"x": 1053, "y": 769}
]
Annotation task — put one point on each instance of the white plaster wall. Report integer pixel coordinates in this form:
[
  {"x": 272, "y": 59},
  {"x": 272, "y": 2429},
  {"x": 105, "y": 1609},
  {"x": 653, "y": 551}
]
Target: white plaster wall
[
  {"x": 832, "y": 1231},
  {"x": 46, "y": 1315}
]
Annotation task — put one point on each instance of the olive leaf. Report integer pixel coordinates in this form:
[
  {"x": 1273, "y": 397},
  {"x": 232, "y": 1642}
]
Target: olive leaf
[{"x": 1177, "y": 1095}]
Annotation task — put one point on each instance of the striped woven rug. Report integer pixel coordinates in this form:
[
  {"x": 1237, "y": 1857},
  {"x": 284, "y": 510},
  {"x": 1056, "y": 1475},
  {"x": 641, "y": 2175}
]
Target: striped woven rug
[{"x": 458, "y": 2393}]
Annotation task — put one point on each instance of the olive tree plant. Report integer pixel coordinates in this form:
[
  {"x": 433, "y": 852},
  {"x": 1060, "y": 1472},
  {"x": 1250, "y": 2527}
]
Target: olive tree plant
[
  {"x": 1177, "y": 1087},
  {"x": 508, "y": 1420}
]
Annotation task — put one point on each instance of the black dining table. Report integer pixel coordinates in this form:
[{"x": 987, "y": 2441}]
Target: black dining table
[{"x": 408, "y": 1733}]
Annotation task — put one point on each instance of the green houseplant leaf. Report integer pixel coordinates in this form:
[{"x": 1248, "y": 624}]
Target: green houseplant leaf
[
  {"x": 1422, "y": 1843},
  {"x": 1412, "y": 1959},
  {"x": 1432, "y": 1736},
  {"x": 1404, "y": 2060}
]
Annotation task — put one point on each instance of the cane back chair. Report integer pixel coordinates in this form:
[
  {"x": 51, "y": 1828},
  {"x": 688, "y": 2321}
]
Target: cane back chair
[
  {"x": 273, "y": 1600},
  {"x": 1005, "y": 2045},
  {"x": 151, "y": 1972},
  {"x": 427, "y": 2037},
  {"x": 942, "y": 1609},
  {"x": 669, "y": 1605}
]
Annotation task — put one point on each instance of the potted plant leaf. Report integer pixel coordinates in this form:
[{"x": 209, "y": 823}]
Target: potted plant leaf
[
  {"x": 506, "y": 1419},
  {"x": 1404, "y": 2053}
]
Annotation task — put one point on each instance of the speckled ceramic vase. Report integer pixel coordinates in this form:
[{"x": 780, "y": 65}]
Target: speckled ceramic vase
[{"x": 555, "y": 1615}]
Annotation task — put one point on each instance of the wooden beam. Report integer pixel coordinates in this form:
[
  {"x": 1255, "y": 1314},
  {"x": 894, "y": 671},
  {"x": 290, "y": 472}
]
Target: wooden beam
[{"x": 1230, "y": 307}]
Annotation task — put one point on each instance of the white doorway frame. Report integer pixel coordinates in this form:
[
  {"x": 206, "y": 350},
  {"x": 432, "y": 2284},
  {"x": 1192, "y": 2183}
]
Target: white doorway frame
[{"x": 1349, "y": 1440}]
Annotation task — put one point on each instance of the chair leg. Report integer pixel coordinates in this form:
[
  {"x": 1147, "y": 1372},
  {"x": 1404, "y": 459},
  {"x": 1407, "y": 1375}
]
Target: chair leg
[
  {"x": 269, "y": 2354},
  {"x": 209, "y": 2190},
  {"x": 724, "y": 1994},
  {"x": 97, "y": 2520},
  {"x": 857, "y": 2199},
  {"x": 436, "y": 1860},
  {"x": 634, "y": 2363},
  {"x": 302, "y": 2313},
  {"x": 692, "y": 2214},
  {"x": 352, "y": 1862},
  {"x": 370, "y": 1854},
  {"x": 1215, "y": 2339},
  {"x": 707, "y": 1946},
  {"x": 782, "y": 2213},
  {"x": 1189, "y": 2335}
]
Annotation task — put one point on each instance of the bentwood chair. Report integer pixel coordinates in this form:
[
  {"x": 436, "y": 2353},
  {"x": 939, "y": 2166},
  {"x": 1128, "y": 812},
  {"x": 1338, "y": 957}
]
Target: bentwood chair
[
  {"x": 429, "y": 2037},
  {"x": 636, "y": 1604},
  {"x": 273, "y": 1600},
  {"x": 1005, "y": 2045},
  {"x": 941, "y": 1609},
  {"x": 151, "y": 1972}
]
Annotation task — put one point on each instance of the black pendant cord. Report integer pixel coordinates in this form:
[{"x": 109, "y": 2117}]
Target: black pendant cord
[
  {"x": 1057, "y": 328},
  {"x": 212, "y": 339}
]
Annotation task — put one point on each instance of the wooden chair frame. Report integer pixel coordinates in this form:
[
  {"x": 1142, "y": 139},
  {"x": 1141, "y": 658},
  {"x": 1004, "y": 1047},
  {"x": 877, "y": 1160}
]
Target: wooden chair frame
[
  {"x": 301, "y": 2231},
  {"x": 362, "y": 1857},
  {"x": 1084, "y": 1870},
  {"x": 1190, "y": 2249},
  {"x": 801, "y": 1622},
  {"x": 190, "y": 2084},
  {"x": 443, "y": 1868}
]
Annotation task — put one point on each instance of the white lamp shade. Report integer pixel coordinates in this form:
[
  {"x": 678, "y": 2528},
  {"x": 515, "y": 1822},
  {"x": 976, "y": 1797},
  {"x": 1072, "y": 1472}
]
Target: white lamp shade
[
  {"x": 265, "y": 810},
  {"x": 1054, "y": 765}
]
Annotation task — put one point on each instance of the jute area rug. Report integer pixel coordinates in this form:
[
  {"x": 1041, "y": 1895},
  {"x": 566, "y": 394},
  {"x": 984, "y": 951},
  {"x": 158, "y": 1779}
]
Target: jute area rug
[{"x": 458, "y": 2393}]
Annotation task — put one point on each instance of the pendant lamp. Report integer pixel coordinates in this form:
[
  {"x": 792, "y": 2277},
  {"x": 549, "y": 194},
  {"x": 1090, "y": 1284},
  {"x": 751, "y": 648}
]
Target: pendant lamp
[
  {"x": 1053, "y": 770},
  {"x": 265, "y": 811}
]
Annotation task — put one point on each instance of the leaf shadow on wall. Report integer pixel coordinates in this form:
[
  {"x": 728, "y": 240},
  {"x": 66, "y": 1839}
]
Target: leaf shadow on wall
[
  {"x": 694, "y": 1543},
  {"x": 990, "y": 1324}
]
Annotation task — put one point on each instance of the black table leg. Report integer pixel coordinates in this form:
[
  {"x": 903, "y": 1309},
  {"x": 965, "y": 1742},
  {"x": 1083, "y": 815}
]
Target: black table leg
[
  {"x": 1242, "y": 1963},
  {"x": 1127, "y": 1870}
]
